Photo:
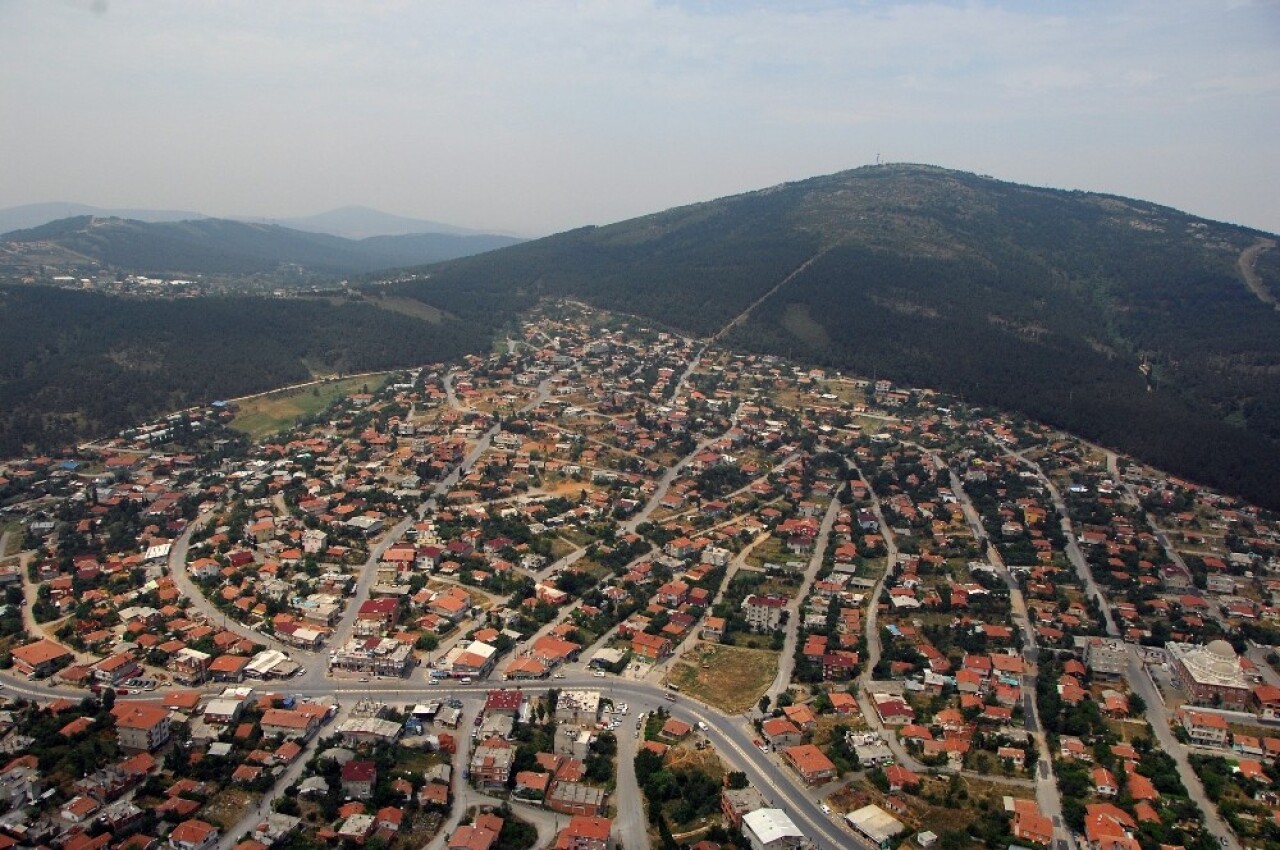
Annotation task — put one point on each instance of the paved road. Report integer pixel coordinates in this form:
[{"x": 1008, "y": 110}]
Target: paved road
[
  {"x": 731, "y": 736},
  {"x": 630, "y": 827},
  {"x": 1074, "y": 555},
  {"x": 1140, "y": 680},
  {"x": 1048, "y": 798},
  {"x": 787, "y": 661}
]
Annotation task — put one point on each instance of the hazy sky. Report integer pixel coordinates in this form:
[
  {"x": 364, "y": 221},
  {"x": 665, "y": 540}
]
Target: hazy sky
[{"x": 535, "y": 116}]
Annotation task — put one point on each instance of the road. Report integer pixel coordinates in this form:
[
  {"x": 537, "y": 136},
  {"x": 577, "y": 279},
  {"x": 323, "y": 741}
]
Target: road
[
  {"x": 787, "y": 661},
  {"x": 1074, "y": 555},
  {"x": 731, "y": 736},
  {"x": 1048, "y": 797},
  {"x": 1140, "y": 680}
]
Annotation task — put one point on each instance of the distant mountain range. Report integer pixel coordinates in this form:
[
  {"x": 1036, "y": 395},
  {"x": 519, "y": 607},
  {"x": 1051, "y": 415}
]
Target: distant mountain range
[
  {"x": 223, "y": 246},
  {"x": 352, "y": 222},
  {"x": 1138, "y": 326}
]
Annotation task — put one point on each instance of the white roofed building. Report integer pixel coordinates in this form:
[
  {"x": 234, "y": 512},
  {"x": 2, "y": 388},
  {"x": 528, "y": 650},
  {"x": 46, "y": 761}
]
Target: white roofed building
[{"x": 771, "y": 829}]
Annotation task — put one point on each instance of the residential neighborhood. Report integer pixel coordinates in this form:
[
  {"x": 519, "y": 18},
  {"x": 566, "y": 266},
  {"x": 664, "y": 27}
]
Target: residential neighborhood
[{"x": 611, "y": 587}]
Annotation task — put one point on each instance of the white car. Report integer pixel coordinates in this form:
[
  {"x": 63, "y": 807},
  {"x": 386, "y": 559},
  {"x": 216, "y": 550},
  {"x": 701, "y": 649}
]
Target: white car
[
  {"x": 826, "y": 810},
  {"x": 558, "y": 676},
  {"x": 599, "y": 674}
]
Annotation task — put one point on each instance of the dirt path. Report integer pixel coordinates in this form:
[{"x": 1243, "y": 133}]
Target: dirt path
[
  {"x": 1248, "y": 263},
  {"x": 742, "y": 317}
]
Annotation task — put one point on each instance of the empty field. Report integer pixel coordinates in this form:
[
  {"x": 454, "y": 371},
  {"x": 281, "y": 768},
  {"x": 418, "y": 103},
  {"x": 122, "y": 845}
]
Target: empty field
[
  {"x": 729, "y": 678},
  {"x": 267, "y": 414}
]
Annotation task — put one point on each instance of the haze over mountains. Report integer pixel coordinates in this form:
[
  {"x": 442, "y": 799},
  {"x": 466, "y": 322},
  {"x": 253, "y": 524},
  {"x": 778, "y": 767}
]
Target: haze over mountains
[
  {"x": 1129, "y": 323},
  {"x": 350, "y": 222},
  {"x": 215, "y": 245}
]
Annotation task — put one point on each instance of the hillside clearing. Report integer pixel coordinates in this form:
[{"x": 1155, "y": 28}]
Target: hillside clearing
[{"x": 267, "y": 414}]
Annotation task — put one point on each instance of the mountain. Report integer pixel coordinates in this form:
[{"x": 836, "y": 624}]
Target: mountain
[
  {"x": 1129, "y": 323},
  {"x": 34, "y": 215},
  {"x": 212, "y": 245},
  {"x": 352, "y": 222},
  {"x": 77, "y": 364},
  {"x": 361, "y": 222}
]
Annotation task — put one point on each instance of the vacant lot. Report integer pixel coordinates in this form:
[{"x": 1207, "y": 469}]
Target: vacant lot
[
  {"x": 225, "y": 809},
  {"x": 265, "y": 415},
  {"x": 728, "y": 677}
]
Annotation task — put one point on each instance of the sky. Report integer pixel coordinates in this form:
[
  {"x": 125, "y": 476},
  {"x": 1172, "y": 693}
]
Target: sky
[{"x": 536, "y": 116}]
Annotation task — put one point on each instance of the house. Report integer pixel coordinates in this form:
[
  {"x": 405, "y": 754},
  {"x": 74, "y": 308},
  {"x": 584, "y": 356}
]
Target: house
[
  {"x": 359, "y": 776},
  {"x": 585, "y": 832},
  {"x": 1205, "y": 728},
  {"x": 41, "y": 658},
  {"x": 781, "y": 732},
  {"x": 193, "y": 835},
  {"x": 1265, "y": 702},
  {"x": 141, "y": 726},
  {"x": 650, "y": 646},
  {"x": 491, "y": 763},
  {"x": 1104, "y": 782},
  {"x": 116, "y": 668},
  {"x": 288, "y": 724},
  {"x": 802, "y": 716},
  {"x": 901, "y": 779},
  {"x": 893, "y": 711},
  {"x": 811, "y": 763},
  {"x": 1029, "y": 823},
  {"x": 764, "y": 613}
]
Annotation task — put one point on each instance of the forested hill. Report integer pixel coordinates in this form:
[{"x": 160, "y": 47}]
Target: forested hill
[
  {"x": 1126, "y": 322},
  {"x": 222, "y": 246},
  {"x": 75, "y": 364}
]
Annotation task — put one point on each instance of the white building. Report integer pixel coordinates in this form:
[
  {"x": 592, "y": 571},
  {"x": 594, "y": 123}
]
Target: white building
[
  {"x": 771, "y": 829},
  {"x": 875, "y": 824}
]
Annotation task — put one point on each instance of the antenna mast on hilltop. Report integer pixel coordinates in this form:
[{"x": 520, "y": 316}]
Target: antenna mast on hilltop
[{"x": 877, "y": 157}]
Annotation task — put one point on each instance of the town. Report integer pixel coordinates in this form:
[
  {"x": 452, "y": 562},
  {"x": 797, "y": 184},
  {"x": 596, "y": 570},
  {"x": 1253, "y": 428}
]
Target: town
[{"x": 613, "y": 587}]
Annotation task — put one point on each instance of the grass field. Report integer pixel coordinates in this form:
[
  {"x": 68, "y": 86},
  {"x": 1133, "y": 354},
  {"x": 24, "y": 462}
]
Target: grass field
[
  {"x": 729, "y": 678},
  {"x": 15, "y": 531},
  {"x": 268, "y": 414}
]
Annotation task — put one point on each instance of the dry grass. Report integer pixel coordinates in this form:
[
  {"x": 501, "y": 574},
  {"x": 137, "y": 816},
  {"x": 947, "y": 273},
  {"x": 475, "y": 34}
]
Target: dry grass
[
  {"x": 729, "y": 678},
  {"x": 225, "y": 809},
  {"x": 268, "y": 414}
]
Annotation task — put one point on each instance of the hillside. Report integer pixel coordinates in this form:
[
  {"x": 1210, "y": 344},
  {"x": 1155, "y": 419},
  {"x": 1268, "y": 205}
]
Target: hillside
[
  {"x": 78, "y": 364},
  {"x": 1124, "y": 321},
  {"x": 222, "y": 246}
]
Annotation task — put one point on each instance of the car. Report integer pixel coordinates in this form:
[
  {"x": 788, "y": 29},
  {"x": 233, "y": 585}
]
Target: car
[
  {"x": 479, "y": 719},
  {"x": 466, "y": 680},
  {"x": 826, "y": 810},
  {"x": 364, "y": 678},
  {"x": 599, "y": 674},
  {"x": 558, "y": 676},
  {"x": 702, "y": 726}
]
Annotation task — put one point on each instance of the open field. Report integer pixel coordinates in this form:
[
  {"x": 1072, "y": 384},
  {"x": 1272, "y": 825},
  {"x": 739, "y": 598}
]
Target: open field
[
  {"x": 265, "y": 415},
  {"x": 729, "y": 678},
  {"x": 226, "y": 808}
]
